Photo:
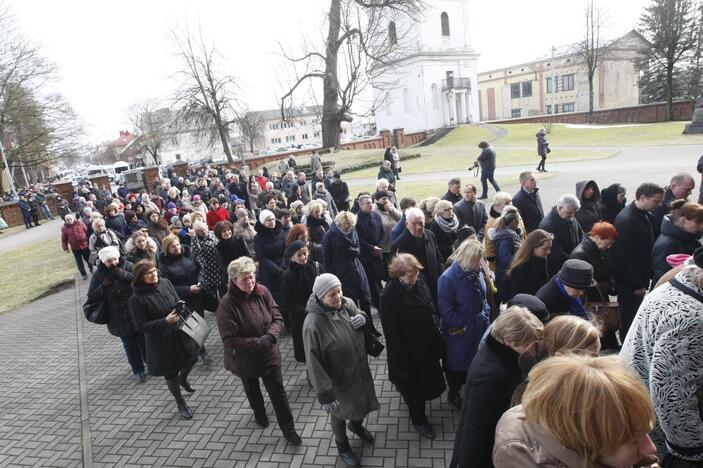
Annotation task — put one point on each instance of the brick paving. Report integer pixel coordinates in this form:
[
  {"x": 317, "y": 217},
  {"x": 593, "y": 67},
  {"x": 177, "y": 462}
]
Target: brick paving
[{"x": 137, "y": 425}]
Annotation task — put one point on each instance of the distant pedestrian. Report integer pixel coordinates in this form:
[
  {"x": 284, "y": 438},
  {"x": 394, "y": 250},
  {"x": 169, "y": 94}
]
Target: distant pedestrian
[
  {"x": 542, "y": 148},
  {"x": 75, "y": 234},
  {"x": 315, "y": 162},
  {"x": 487, "y": 161}
]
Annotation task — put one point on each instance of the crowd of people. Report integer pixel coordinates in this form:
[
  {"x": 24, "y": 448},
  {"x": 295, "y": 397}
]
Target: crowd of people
[{"x": 507, "y": 307}]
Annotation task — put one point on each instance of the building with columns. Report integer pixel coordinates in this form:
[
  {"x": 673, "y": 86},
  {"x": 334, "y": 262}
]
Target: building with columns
[{"x": 435, "y": 76}]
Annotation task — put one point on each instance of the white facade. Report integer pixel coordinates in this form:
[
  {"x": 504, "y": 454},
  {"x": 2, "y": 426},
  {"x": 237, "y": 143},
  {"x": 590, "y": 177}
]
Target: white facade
[{"x": 436, "y": 77}]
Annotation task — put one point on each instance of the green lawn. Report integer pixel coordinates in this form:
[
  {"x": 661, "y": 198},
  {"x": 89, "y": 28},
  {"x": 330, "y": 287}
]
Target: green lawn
[
  {"x": 31, "y": 271},
  {"x": 468, "y": 135}
]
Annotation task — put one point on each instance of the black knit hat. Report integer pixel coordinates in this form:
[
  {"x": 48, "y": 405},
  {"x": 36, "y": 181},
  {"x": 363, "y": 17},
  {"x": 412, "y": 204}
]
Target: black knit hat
[
  {"x": 577, "y": 274},
  {"x": 532, "y": 303}
]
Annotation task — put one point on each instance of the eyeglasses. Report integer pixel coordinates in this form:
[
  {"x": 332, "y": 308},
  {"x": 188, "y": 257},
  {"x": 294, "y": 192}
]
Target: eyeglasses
[{"x": 151, "y": 272}]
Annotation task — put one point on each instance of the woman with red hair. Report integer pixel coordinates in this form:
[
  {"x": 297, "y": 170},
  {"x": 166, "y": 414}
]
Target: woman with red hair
[{"x": 594, "y": 250}]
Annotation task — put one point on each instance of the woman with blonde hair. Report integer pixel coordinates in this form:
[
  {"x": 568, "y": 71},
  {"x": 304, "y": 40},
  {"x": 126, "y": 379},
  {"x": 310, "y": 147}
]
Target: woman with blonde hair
[
  {"x": 445, "y": 227},
  {"x": 491, "y": 381},
  {"x": 529, "y": 269},
  {"x": 580, "y": 412},
  {"x": 462, "y": 304}
]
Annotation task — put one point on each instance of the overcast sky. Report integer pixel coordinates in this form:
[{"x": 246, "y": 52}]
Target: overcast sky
[{"x": 112, "y": 54}]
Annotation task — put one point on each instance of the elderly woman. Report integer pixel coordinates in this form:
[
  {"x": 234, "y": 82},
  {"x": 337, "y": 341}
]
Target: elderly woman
[
  {"x": 156, "y": 225},
  {"x": 317, "y": 227},
  {"x": 269, "y": 244},
  {"x": 250, "y": 324},
  {"x": 244, "y": 227},
  {"x": 101, "y": 238},
  {"x": 336, "y": 362},
  {"x": 178, "y": 265},
  {"x": 558, "y": 423},
  {"x": 461, "y": 297},
  {"x": 445, "y": 227},
  {"x": 297, "y": 286},
  {"x": 386, "y": 172},
  {"x": 152, "y": 307},
  {"x": 75, "y": 234},
  {"x": 414, "y": 344},
  {"x": 140, "y": 246},
  {"x": 111, "y": 285},
  {"x": 493, "y": 377}
]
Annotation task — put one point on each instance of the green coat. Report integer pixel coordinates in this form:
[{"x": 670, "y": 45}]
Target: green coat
[{"x": 336, "y": 359}]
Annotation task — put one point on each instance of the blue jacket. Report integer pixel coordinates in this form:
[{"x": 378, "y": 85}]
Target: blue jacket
[
  {"x": 398, "y": 229},
  {"x": 340, "y": 253},
  {"x": 369, "y": 227},
  {"x": 464, "y": 311}
]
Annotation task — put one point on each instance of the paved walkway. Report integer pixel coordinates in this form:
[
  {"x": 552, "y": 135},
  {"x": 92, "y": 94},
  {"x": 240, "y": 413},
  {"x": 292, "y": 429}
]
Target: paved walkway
[{"x": 136, "y": 424}]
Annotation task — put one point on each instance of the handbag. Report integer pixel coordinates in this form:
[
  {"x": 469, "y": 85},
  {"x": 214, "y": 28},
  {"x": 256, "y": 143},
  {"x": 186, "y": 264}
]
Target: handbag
[
  {"x": 95, "y": 312},
  {"x": 606, "y": 313},
  {"x": 193, "y": 329},
  {"x": 374, "y": 347}
]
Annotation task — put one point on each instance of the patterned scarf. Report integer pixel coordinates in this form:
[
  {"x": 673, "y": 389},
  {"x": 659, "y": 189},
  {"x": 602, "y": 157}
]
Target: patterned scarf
[{"x": 447, "y": 226}]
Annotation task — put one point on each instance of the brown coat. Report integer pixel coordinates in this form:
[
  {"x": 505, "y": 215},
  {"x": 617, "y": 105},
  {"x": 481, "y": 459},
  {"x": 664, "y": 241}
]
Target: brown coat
[{"x": 241, "y": 320}]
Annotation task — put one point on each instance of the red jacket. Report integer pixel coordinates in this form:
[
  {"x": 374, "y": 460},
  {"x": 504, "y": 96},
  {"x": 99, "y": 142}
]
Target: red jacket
[
  {"x": 76, "y": 235},
  {"x": 215, "y": 216}
]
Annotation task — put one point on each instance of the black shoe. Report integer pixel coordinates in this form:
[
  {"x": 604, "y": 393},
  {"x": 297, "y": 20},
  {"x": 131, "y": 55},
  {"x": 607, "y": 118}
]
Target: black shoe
[
  {"x": 483, "y": 197},
  {"x": 361, "y": 432},
  {"x": 425, "y": 430},
  {"x": 205, "y": 357},
  {"x": 261, "y": 419},
  {"x": 186, "y": 385},
  {"x": 454, "y": 399},
  {"x": 348, "y": 457},
  {"x": 184, "y": 411},
  {"x": 544, "y": 170},
  {"x": 139, "y": 376},
  {"x": 292, "y": 437}
]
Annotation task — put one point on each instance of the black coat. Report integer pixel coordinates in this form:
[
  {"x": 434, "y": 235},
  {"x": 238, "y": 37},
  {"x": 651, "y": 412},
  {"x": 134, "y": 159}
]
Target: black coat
[
  {"x": 609, "y": 206},
  {"x": 487, "y": 160},
  {"x": 269, "y": 245},
  {"x": 631, "y": 253},
  {"x": 183, "y": 272},
  {"x": 554, "y": 300},
  {"x": 492, "y": 378},
  {"x": 530, "y": 207},
  {"x": 369, "y": 227},
  {"x": 231, "y": 249},
  {"x": 149, "y": 306},
  {"x": 340, "y": 194},
  {"x": 413, "y": 343},
  {"x": 426, "y": 251},
  {"x": 589, "y": 252},
  {"x": 296, "y": 289},
  {"x": 445, "y": 240},
  {"x": 451, "y": 197},
  {"x": 116, "y": 295},
  {"x": 472, "y": 214},
  {"x": 590, "y": 212},
  {"x": 528, "y": 277},
  {"x": 340, "y": 253},
  {"x": 672, "y": 240},
  {"x": 663, "y": 210},
  {"x": 567, "y": 235}
]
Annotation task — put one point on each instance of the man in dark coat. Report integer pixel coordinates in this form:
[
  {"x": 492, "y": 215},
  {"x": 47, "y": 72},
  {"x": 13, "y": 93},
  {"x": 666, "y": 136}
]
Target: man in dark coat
[
  {"x": 631, "y": 254},
  {"x": 471, "y": 212},
  {"x": 422, "y": 243},
  {"x": 680, "y": 187},
  {"x": 453, "y": 194},
  {"x": 528, "y": 202},
  {"x": 561, "y": 222},
  {"x": 340, "y": 192},
  {"x": 370, "y": 229},
  {"x": 487, "y": 161},
  {"x": 112, "y": 284}
]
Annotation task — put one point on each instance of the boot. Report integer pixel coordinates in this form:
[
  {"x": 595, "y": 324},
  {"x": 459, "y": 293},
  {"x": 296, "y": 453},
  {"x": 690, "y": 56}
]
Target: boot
[
  {"x": 205, "y": 357},
  {"x": 360, "y": 431},
  {"x": 346, "y": 454},
  {"x": 184, "y": 411},
  {"x": 454, "y": 399},
  {"x": 425, "y": 430}
]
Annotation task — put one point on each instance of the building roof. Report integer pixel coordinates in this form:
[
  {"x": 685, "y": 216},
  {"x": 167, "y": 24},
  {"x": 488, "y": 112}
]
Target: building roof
[
  {"x": 125, "y": 138},
  {"x": 295, "y": 112}
]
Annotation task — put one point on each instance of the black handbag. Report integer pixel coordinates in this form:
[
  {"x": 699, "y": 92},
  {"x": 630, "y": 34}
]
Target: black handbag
[
  {"x": 95, "y": 312},
  {"x": 374, "y": 347}
]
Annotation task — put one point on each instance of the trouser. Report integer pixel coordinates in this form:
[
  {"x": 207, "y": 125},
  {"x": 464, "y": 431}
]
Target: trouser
[
  {"x": 455, "y": 379},
  {"x": 47, "y": 211},
  {"x": 27, "y": 218},
  {"x": 339, "y": 430},
  {"x": 80, "y": 256},
  {"x": 416, "y": 408},
  {"x": 135, "y": 348},
  {"x": 540, "y": 166},
  {"x": 274, "y": 386},
  {"x": 487, "y": 176},
  {"x": 629, "y": 303}
]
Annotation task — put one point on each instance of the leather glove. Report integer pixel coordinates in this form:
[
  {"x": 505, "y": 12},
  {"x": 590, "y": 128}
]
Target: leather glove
[
  {"x": 358, "y": 321},
  {"x": 265, "y": 342},
  {"x": 329, "y": 407}
]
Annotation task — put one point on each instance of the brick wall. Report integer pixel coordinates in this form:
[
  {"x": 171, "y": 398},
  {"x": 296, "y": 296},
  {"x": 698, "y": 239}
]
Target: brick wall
[{"x": 12, "y": 214}]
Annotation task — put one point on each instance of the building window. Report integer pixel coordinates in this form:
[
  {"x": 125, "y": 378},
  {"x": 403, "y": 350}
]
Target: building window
[
  {"x": 290, "y": 138},
  {"x": 445, "y": 23},
  {"x": 174, "y": 140},
  {"x": 275, "y": 140},
  {"x": 515, "y": 90},
  {"x": 567, "y": 82},
  {"x": 435, "y": 95},
  {"x": 515, "y": 113},
  {"x": 549, "y": 108},
  {"x": 305, "y": 136},
  {"x": 316, "y": 135},
  {"x": 406, "y": 100},
  {"x": 568, "y": 107},
  {"x": 550, "y": 85},
  {"x": 556, "y": 108},
  {"x": 526, "y": 88},
  {"x": 392, "y": 35}
]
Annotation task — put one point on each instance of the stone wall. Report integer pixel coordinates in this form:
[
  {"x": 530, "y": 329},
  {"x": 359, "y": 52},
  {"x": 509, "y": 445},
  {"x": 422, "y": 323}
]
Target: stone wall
[{"x": 12, "y": 214}]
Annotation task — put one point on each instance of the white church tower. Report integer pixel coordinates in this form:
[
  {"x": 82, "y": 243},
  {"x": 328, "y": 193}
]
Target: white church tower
[{"x": 436, "y": 77}]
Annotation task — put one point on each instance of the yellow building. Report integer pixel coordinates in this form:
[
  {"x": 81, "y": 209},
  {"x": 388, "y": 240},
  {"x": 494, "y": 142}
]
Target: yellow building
[{"x": 526, "y": 90}]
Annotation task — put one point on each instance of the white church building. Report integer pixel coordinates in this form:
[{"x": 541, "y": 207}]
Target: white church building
[{"x": 436, "y": 76}]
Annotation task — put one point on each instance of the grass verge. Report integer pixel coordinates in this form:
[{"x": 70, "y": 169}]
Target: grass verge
[{"x": 33, "y": 271}]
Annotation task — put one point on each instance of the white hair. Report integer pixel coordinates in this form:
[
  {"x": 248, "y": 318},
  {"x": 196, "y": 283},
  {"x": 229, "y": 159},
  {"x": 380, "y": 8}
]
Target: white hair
[
  {"x": 381, "y": 182},
  {"x": 568, "y": 200},
  {"x": 414, "y": 213}
]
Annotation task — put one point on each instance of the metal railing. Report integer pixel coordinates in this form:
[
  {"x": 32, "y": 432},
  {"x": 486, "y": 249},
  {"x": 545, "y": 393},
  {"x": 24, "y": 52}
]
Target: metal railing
[{"x": 456, "y": 83}]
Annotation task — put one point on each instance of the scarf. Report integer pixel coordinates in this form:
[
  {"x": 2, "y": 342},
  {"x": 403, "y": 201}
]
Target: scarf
[
  {"x": 576, "y": 307},
  {"x": 447, "y": 226}
]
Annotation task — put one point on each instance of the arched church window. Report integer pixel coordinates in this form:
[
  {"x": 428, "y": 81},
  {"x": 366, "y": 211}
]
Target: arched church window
[
  {"x": 435, "y": 95},
  {"x": 392, "y": 35},
  {"x": 406, "y": 100},
  {"x": 445, "y": 23}
]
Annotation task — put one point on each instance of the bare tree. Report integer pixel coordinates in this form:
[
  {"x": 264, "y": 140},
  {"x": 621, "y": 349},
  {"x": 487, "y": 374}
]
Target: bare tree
[
  {"x": 152, "y": 125},
  {"x": 205, "y": 103},
  {"x": 592, "y": 49},
  {"x": 672, "y": 27},
  {"x": 251, "y": 127},
  {"x": 355, "y": 53}
]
